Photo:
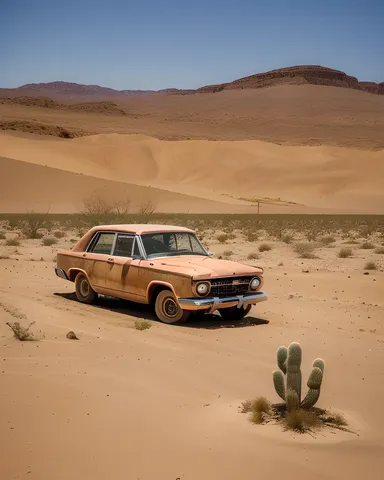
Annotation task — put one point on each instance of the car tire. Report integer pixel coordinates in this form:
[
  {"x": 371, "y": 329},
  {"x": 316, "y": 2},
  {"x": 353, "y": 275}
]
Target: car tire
[
  {"x": 84, "y": 291},
  {"x": 235, "y": 313},
  {"x": 168, "y": 310}
]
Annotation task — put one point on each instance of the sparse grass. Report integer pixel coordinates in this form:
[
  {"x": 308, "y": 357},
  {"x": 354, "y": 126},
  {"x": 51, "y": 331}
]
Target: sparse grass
[
  {"x": 287, "y": 238},
  {"x": 142, "y": 324},
  {"x": 301, "y": 421},
  {"x": 49, "y": 241},
  {"x": 260, "y": 408},
  {"x": 327, "y": 240},
  {"x": 2, "y": 235},
  {"x": 345, "y": 252},
  {"x": 379, "y": 250},
  {"x": 12, "y": 242},
  {"x": 4, "y": 257},
  {"x": 227, "y": 253},
  {"x": 246, "y": 406},
  {"x": 252, "y": 256},
  {"x": 58, "y": 234},
  {"x": 264, "y": 247},
  {"x": 305, "y": 250},
  {"x": 222, "y": 238},
  {"x": 370, "y": 266},
  {"x": 367, "y": 246}
]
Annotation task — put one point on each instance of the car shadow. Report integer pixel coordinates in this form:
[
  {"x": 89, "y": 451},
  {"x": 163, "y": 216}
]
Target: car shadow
[{"x": 132, "y": 309}]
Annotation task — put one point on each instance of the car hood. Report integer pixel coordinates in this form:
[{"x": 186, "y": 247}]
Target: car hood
[{"x": 201, "y": 267}]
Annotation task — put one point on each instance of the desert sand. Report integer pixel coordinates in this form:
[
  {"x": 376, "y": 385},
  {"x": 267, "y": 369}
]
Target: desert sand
[{"x": 163, "y": 403}]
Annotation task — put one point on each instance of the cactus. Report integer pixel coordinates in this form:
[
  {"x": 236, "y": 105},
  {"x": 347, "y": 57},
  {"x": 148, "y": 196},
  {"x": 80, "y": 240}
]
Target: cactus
[{"x": 289, "y": 388}]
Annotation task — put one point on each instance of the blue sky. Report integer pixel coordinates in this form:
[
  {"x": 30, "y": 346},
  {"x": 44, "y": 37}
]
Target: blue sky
[{"x": 154, "y": 44}]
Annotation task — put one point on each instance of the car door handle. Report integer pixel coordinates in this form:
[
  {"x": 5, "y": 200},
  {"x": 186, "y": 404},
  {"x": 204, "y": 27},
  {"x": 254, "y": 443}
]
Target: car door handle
[{"x": 110, "y": 260}]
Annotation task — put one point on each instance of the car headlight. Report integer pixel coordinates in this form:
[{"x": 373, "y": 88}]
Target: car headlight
[
  {"x": 255, "y": 283},
  {"x": 202, "y": 288}
]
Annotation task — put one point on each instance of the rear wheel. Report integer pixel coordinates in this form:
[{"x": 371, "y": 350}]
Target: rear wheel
[
  {"x": 168, "y": 310},
  {"x": 84, "y": 291},
  {"x": 235, "y": 313}
]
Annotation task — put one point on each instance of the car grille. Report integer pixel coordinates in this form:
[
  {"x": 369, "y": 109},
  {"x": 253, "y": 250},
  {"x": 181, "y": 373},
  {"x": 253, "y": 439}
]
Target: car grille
[{"x": 223, "y": 287}]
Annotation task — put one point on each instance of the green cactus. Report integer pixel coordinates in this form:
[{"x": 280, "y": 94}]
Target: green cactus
[{"x": 289, "y": 388}]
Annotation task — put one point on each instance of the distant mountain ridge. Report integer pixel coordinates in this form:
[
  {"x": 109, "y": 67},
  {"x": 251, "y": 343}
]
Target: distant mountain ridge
[{"x": 302, "y": 74}]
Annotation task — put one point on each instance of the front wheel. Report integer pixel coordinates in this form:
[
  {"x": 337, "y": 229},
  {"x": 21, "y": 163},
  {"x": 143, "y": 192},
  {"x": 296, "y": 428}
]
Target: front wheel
[
  {"x": 168, "y": 310},
  {"x": 235, "y": 313},
  {"x": 84, "y": 291}
]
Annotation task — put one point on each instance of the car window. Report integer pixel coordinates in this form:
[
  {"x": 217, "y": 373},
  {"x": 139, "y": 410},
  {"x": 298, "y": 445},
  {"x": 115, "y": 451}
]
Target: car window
[
  {"x": 103, "y": 243},
  {"x": 169, "y": 243},
  {"x": 124, "y": 244}
]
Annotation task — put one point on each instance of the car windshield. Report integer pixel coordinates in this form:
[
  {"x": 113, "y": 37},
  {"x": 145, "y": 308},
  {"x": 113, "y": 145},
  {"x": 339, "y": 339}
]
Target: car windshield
[{"x": 166, "y": 244}]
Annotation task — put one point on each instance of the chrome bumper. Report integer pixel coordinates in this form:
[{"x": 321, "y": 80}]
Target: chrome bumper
[
  {"x": 215, "y": 303},
  {"x": 60, "y": 273}
]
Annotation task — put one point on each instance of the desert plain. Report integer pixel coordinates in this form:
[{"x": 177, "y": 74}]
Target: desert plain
[{"x": 165, "y": 402}]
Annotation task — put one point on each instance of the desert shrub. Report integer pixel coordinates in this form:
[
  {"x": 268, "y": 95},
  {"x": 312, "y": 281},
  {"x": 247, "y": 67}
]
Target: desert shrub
[
  {"x": 32, "y": 223},
  {"x": 287, "y": 238},
  {"x": 222, "y": 237},
  {"x": 12, "y": 242},
  {"x": 4, "y": 257},
  {"x": 366, "y": 230},
  {"x": 2, "y": 235},
  {"x": 305, "y": 250},
  {"x": 252, "y": 256},
  {"x": 345, "y": 252},
  {"x": 301, "y": 420},
  {"x": 59, "y": 234},
  {"x": 227, "y": 253},
  {"x": 142, "y": 324},
  {"x": 264, "y": 247},
  {"x": 379, "y": 250},
  {"x": 48, "y": 241},
  {"x": 251, "y": 235},
  {"x": 97, "y": 211},
  {"x": 20, "y": 332},
  {"x": 311, "y": 236},
  {"x": 327, "y": 240},
  {"x": 367, "y": 245},
  {"x": 370, "y": 266},
  {"x": 260, "y": 407},
  {"x": 246, "y": 406}
]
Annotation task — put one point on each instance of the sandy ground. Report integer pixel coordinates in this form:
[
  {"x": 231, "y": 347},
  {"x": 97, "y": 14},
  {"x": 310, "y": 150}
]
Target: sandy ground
[
  {"x": 196, "y": 176},
  {"x": 163, "y": 403}
]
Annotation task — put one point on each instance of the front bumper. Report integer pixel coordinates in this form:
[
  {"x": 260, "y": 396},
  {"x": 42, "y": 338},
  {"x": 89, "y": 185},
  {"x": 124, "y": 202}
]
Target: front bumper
[
  {"x": 61, "y": 273},
  {"x": 215, "y": 303}
]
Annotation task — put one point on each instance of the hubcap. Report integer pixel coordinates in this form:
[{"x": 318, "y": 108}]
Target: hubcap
[
  {"x": 170, "y": 308},
  {"x": 84, "y": 288}
]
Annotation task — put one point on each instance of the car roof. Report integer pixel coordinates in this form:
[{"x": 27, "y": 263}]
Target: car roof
[{"x": 141, "y": 228}]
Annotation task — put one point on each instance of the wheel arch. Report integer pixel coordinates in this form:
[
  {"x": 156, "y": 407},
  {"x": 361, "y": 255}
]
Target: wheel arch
[
  {"x": 155, "y": 287},
  {"x": 73, "y": 272}
]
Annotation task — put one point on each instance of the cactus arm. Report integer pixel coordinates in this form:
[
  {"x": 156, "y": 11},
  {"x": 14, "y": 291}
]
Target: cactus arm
[
  {"x": 314, "y": 383},
  {"x": 278, "y": 382},
  {"x": 319, "y": 363},
  {"x": 282, "y": 354},
  {"x": 310, "y": 399},
  {"x": 293, "y": 369}
]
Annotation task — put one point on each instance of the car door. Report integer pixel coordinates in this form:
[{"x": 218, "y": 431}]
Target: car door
[
  {"x": 98, "y": 257},
  {"x": 122, "y": 271}
]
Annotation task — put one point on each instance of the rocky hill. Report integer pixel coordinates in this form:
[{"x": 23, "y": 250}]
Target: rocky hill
[{"x": 303, "y": 74}]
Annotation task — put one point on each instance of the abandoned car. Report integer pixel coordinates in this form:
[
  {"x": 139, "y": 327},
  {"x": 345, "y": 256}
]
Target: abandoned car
[{"x": 161, "y": 265}]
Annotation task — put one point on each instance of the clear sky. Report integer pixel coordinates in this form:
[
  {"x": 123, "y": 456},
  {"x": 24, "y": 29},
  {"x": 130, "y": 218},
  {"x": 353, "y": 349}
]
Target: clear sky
[{"x": 154, "y": 44}]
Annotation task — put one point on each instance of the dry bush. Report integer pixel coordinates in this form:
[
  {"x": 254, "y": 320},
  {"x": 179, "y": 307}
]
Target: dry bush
[
  {"x": 251, "y": 235},
  {"x": 265, "y": 247},
  {"x": 327, "y": 240},
  {"x": 48, "y": 241},
  {"x": 305, "y": 250},
  {"x": 2, "y": 235},
  {"x": 311, "y": 236},
  {"x": 260, "y": 408},
  {"x": 58, "y": 234},
  {"x": 97, "y": 211},
  {"x": 12, "y": 242},
  {"x": 287, "y": 238},
  {"x": 146, "y": 211},
  {"x": 379, "y": 250},
  {"x": 222, "y": 237},
  {"x": 370, "y": 266},
  {"x": 301, "y": 421},
  {"x": 32, "y": 223},
  {"x": 367, "y": 246},
  {"x": 345, "y": 252},
  {"x": 246, "y": 406},
  {"x": 4, "y": 257},
  {"x": 253, "y": 256},
  {"x": 227, "y": 253},
  {"x": 20, "y": 332},
  {"x": 142, "y": 324}
]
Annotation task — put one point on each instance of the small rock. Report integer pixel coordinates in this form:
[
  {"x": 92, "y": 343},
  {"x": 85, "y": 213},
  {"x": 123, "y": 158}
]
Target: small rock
[{"x": 72, "y": 335}]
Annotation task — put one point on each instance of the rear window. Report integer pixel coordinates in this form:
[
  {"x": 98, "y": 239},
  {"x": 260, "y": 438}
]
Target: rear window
[{"x": 103, "y": 243}]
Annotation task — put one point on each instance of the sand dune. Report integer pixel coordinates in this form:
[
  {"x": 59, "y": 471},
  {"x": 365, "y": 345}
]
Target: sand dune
[{"x": 215, "y": 174}]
